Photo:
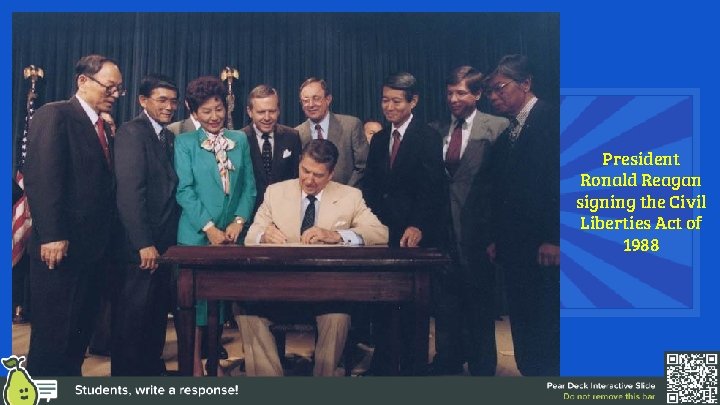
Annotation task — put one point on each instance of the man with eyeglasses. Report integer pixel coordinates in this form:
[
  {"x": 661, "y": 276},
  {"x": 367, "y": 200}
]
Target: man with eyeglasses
[
  {"x": 149, "y": 213},
  {"x": 345, "y": 131},
  {"x": 70, "y": 186},
  {"x": 463, "y": 296},
  {"x": 525, "y": 223}
]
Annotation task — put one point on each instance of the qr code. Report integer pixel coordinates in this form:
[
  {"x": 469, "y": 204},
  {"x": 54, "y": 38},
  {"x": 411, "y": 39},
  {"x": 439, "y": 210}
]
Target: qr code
[{"x": 692, "y": 378}]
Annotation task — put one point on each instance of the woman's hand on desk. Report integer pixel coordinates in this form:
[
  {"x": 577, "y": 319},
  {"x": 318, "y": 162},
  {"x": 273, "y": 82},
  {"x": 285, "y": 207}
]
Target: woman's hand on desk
[
  {"x": 232, "y": 232},
  {"x": 216, "y": 236}
]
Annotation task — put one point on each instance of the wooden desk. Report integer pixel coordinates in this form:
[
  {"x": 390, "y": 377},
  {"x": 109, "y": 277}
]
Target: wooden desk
[{"x": 309, "y": 274}]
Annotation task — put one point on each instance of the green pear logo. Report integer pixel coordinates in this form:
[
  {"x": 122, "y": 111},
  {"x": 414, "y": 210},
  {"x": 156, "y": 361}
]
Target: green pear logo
[{"x": 20, "y": 389}]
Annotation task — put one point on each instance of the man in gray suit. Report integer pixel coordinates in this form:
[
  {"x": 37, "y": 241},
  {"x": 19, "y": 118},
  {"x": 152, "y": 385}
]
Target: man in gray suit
[
  {"x": 189, "y": 124},
  {"x": 344, "y": 131},
  {"x": 463, "y": 295}
]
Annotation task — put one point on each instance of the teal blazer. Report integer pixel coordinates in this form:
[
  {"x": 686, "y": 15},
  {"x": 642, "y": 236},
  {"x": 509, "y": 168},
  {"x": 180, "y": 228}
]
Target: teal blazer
[{"x": 200, "y": 192}]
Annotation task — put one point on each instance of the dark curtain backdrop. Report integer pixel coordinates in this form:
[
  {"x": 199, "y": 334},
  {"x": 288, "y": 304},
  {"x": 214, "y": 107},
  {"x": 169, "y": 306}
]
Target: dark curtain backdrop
[{"x": 352, "y": 51}]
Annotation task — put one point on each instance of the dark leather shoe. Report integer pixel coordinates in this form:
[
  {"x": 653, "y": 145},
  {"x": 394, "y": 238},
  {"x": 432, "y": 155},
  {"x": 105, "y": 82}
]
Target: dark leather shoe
[{"x": 19, "y": 316}]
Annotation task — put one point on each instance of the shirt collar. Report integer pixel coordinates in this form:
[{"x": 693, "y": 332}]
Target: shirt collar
[
  {"x": 402, "y": 128},
  {"x": 468, "y": 120},
  {"x": 324, "y": 124},
  {"x": 92, "y": 114},
  {"x": 157, "y": 127},
  {"x": 318, "y": 196},
  {"x": 525, "y": 111},
  {"x": 259, "y": 133},
  {"x": 195, "y": 122}
]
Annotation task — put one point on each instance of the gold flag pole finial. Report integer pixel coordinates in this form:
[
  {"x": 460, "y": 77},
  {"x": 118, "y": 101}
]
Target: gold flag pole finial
[
  {"x": 33, "y": 73},
  {"x": 227, "y": 75}
]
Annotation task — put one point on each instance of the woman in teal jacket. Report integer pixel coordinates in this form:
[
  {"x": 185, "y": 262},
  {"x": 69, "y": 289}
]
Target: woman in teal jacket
[{"x": 216, "y": 188}]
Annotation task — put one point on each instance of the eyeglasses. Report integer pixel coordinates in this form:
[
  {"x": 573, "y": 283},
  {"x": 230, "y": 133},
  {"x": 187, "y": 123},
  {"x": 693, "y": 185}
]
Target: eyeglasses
[
  {"x": 498, "y": 89},
  {"x": 313, "y": 100},
  {"x": 110, "y": 90},
  {"x": 164, "y": 100}
]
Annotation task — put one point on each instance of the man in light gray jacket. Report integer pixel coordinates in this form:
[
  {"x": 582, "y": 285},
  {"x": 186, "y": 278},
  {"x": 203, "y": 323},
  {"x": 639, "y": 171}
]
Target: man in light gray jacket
[{"x": 345, "y": 131}]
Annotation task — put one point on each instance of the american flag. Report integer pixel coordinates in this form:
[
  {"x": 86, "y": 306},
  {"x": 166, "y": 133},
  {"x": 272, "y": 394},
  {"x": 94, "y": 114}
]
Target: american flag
[{"x": 22, "y": 221}]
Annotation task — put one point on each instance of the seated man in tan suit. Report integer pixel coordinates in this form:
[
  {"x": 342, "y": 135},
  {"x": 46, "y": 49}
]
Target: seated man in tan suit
[{"x": 308, "y": 210}]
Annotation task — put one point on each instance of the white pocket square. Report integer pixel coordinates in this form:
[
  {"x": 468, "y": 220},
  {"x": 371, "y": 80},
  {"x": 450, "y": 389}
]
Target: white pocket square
[{"x": 286, "y": 153}]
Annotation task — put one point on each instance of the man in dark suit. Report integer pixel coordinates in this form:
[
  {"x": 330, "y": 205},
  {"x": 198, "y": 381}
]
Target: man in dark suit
[
  {"x": 274, "y": 148},
  {"x": 146, "y": 183},
  {"x": 345, "y": 131},
  {"x": 404, "y": 186},
  {"x": 526, "y": 215},
  {"x": 70, "y": 187},
  {"x": 464, "y": 295}
]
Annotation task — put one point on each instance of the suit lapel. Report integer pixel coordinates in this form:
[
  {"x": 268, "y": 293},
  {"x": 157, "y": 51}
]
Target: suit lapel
[
  {"x": 334, "y": 130},
  {"x": 328, "y": 206},
  {"x": 110, "y": 136},
  {"x": 292, "y": 196},
  {"x": 235, "y": 157},
  {"x": 278, "y": 148},
  {"x": 255, "y": 153},
  {"x": 384, "y": 143},
  {"x": 527, "y": 129},
  {"x": 157, "y": 147},
  {"x": 408, "y": 136},
  {"x": 476, "y": 144},
  {"x": 89, "y": 134},
  {"x": 304, "y": 130}
]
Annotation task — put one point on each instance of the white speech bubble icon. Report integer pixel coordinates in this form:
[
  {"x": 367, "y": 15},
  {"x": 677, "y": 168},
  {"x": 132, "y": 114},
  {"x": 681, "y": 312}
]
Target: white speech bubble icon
[{"x": 47, "y": 389}]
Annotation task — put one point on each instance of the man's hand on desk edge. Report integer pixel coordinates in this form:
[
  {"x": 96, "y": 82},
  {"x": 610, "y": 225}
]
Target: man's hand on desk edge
[
  {"x": 273, "y": 235},
  {"x": 317, "y": 235},
  {"x": 411, "y": 237},
  {"x": 148, "y": 258}
]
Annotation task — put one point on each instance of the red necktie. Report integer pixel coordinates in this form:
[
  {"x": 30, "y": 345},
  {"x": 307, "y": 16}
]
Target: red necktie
[
  {"x": 103, "y": 141},
  {"x": 318, "y": 128},
  {"x": 452, "y": 157},
  {"x": 395, "y": 146}
]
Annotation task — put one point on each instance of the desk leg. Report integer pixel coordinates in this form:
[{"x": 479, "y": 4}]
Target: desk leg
[
  {"x": 186, "y": 321},
  {"x": 212, "y": 336},
  {"x": 421, "y": 309},
  {"x": 396, "y": 337}
]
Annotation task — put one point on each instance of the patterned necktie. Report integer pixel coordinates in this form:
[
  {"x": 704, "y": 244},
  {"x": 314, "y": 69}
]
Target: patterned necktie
[
  {"x": 100, "y": 124},
  {"x": 309, "y": 217},
  {"x": 318, "y": 128},
  {"x": 395, "y": 146},
  {"x": 266, "y": 153},
  {"x": 514, "y": 130},
  {"x": 164, "y": 137},
  {"x": 452, "y": 157}
]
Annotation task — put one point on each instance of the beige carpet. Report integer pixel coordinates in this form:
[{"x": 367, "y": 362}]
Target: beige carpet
[{"x": 299, "y": 347}]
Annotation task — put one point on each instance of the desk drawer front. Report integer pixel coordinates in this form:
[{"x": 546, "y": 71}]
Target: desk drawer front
[{"x": 304, "y": 286}]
